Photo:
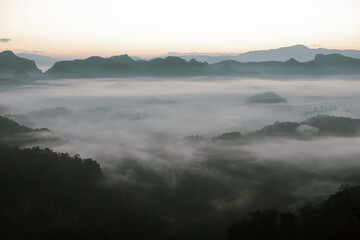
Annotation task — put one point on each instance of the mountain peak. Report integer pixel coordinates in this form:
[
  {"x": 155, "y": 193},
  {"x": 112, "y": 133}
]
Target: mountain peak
[
  {"x": 121, "y": 58},
  {"x": 94, "y": 58},
  {"x": 193, "y": 60},
  {"x": 266, "y": 97},
  {"x": 292, "y": 60},
  {"x": 299, "y": 46},
  {"x": 7, "y": 53},
  {"x": 174, "y": 59}
]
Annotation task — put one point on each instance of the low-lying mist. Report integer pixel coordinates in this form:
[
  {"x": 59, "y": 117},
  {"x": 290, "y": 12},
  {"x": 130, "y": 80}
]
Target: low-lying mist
[{"x": 137, "y": 128}]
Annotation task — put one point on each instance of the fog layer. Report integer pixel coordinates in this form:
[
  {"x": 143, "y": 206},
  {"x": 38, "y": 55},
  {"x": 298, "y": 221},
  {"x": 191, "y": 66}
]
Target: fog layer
[{"x": 137, "y": 128}]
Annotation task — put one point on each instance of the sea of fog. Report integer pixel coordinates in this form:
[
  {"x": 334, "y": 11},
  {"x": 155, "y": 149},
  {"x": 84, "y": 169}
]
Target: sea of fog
[{"x": 147, "y": 119}]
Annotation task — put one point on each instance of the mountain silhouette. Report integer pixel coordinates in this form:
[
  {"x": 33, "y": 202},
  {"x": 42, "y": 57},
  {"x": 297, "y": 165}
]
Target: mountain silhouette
[
  {"x": 319, "y": 126},
  {"x": 125, "y": 66},
  {"x": 11, "y": 65},
  {"x": 322, "y": 64},
  {"x": 336, "y": 60},
  {"x": 14, "y": 67},
  {"x": 299, "y": 52}
]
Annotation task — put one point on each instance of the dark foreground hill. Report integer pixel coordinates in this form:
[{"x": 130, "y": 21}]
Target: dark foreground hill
[
  {"x": 336, "y": 218},
  {"x": 50, "y": 195}
]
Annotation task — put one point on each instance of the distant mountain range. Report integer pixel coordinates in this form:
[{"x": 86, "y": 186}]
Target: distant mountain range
[
  {"x": 14, "y": 67},
  {"x": 124, "y": 66},
  {"x": 300, "y": 53},
  {"x": 331, "y": 64}
]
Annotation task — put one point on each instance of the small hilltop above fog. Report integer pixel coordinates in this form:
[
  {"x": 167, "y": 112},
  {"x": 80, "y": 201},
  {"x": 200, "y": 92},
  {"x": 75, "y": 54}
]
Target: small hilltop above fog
[{"x": 266, "y": 97}]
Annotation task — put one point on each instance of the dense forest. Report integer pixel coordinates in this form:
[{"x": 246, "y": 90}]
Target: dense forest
[
  {"x": 48, "y": 195},
  {"x": 336, "y": 218},
  {"x": 51, "y": 195}
]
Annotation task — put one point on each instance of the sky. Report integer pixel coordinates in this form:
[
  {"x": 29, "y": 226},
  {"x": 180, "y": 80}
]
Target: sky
[{"x": 80, "y": 28}]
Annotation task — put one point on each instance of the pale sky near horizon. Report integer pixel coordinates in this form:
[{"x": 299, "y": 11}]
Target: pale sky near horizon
[{"x": 68, "y": 28}]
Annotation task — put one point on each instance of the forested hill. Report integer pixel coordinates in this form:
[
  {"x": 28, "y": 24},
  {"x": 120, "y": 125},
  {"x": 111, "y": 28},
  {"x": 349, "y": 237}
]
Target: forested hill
[
  {"x": 14, "y": 134},
  {"x": 319, "y": 126},
  {"x": 50, "y": 195}
]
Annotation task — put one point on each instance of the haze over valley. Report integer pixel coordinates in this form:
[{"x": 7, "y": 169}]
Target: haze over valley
[
  {"x": 162, "y": 133},
  {"x": 178, "y": 136},
  {"x": 232, "y": 120}
]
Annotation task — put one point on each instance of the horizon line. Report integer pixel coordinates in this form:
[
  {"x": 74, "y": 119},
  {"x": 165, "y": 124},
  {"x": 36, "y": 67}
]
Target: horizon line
[{"x": 159, "y": 55}]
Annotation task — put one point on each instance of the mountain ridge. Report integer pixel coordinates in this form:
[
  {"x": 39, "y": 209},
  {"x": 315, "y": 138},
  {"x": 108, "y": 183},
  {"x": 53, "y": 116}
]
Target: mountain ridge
[
  {"x": 124, "y": 66},
  {"x": 299, "y": 52},
  {"x": 14, "y": 67},
  {"x": 314, "y": 127}
]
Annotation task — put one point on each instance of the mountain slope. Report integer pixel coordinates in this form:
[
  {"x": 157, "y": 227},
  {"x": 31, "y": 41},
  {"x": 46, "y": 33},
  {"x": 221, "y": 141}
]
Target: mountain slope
[
  {"x": 322, "y": 125},
  {"x": 14, "y": 134},
  {"x": 12, "y": 66}
]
